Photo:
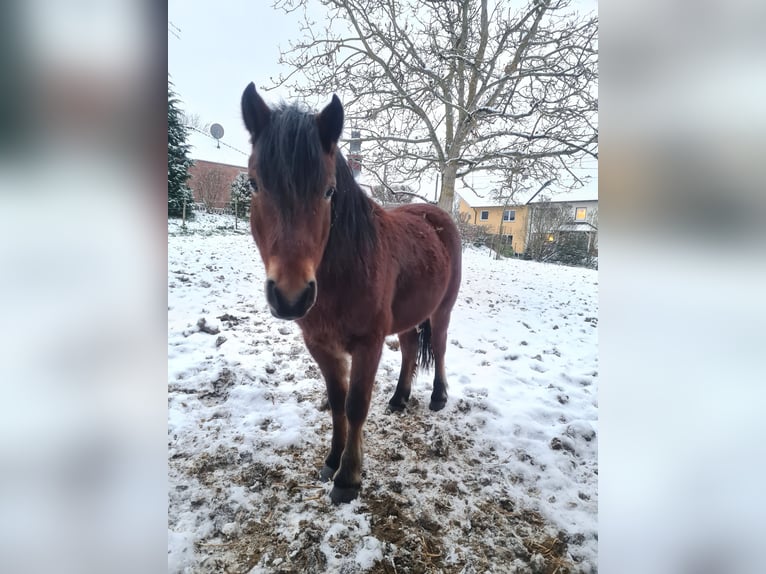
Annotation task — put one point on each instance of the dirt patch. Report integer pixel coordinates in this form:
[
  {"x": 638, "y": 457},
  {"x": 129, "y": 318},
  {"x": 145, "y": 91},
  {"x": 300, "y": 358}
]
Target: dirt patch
[
  {"x": 553, "y": 551},
  {"x": 229, "y": 320},
  {"x": 206, "y": 465},
  {"x": 430, "y": 500},
  {"x": 411, "y": 540},
  {"x": 220, "y": 391}
]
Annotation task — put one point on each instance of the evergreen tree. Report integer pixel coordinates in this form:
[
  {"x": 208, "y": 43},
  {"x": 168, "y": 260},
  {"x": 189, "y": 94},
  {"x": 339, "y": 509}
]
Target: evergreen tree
[
  {"x": 241, "y": 191},
  {"x": 178, "y": 160}
]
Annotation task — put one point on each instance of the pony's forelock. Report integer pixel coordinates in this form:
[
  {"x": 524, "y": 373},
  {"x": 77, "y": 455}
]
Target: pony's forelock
[{"x": 289, "y": 156}]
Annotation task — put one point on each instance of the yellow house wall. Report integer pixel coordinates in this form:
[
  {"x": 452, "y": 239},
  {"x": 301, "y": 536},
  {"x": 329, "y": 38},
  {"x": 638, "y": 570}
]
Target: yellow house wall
[{"x": 517, "y": 228}]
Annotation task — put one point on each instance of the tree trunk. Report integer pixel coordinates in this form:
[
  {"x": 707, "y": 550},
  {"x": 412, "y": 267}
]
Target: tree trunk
[{"x": 447, "y": 195}]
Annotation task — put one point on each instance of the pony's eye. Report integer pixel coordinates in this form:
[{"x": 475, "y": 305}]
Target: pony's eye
[
  {"x": 253, "y": 184},
  {"x": 329, "y": 192}
]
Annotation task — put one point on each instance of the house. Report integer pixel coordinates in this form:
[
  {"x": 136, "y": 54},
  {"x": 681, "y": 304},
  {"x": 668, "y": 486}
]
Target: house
[
  {"x": 210, "y": 182},
  {"x": 509, "y": 220},
  {"x": 525, "y": 224},
  {"x": 552, "y": 221}
]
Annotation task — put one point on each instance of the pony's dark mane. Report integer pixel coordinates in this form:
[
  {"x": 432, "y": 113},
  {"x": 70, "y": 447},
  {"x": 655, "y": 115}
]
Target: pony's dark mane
[
  {"x": 352, "y": 235},
  {"x": 290, "y": 156}
]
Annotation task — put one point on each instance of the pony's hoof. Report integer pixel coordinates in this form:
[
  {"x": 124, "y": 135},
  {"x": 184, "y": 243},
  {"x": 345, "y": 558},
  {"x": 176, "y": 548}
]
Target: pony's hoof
[
  {"x": 397, "y": 405},
  {"x": 437, "y": 404},
  {"x": 342, "y": 495},
  {"x": 326, "y": 474}
]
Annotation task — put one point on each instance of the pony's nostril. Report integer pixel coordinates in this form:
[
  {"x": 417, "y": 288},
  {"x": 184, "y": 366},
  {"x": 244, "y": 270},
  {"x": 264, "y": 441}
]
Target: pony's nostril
[
  {"x": 271, "y": 291},
  {"x": 287, "y": 307},
  {"x": 311, "y": 293}
]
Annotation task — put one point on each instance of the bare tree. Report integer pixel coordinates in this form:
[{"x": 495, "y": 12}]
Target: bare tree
[
  {"x": 210, "y": 187},
  {"x": 456, "y": 87},
  {"x": 544, "y": 225},
  {"x": 392, "y": 194},
  {"x": 505, "y": 194},
  {"x": 470, "y": 234},
  {"x": 193, "y": 121},
  {"x": 593, "y": 222}
]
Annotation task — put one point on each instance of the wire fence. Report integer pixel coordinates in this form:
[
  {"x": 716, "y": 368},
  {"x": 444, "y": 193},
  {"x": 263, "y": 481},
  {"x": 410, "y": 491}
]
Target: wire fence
[
  {"x": 199, "y": 216},
  {"x": 224, "y": 209}
]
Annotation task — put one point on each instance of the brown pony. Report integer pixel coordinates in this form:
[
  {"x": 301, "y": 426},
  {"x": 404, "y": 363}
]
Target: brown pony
[{"x": 346, "y": 270}]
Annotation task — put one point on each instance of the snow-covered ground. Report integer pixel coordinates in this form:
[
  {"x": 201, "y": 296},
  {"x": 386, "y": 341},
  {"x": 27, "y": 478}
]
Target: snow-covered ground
[{"x": 504, "y": 479}]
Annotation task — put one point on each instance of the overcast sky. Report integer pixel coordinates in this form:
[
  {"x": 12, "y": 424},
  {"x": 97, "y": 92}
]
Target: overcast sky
[{"x": 216, "y": 48}]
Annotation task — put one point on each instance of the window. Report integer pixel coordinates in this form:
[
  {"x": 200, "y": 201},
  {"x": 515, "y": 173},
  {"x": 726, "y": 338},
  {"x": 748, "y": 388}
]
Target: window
[
  {"x": 509, "y": 215},
  {"x": 484, "y": 215},
  {"x": 507, "y": 239},
  {"x": 580, "y": 213}
]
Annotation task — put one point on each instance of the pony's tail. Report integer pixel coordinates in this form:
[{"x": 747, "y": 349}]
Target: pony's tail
[{"x": 425, "y": 358}]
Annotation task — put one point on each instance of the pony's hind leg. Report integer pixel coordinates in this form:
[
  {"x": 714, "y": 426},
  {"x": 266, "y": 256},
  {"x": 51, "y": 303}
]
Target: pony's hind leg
[
  {"x": 439, "y": 325},
  {"x": 408, "y": 345}
]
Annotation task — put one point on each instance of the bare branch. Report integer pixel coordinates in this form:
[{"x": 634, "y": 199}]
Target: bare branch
[{"x": 455, "y": 87}]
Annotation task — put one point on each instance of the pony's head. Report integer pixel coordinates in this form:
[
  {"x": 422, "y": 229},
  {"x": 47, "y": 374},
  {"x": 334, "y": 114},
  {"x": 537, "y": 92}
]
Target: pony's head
[{"x": 292, "y": 172}]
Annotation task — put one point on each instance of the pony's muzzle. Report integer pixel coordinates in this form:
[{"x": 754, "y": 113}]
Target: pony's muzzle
[{"x": 293, "y": 305}]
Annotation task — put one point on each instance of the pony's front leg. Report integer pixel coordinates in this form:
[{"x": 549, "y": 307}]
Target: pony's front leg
[
  {"x": 334, "y": 368},
  {"x": 364, "y": 364}
]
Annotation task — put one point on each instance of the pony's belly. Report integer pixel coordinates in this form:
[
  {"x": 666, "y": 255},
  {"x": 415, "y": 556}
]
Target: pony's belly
[{"x": 412, "y": 309}]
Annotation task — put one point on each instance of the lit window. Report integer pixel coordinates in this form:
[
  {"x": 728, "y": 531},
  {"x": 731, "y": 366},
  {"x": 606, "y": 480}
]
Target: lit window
[
  {"x": 550, "y": 239},
  {"x": 484, "y": 215},
  {"x": 509, "y": 215},
  {"x": 580, "y": 214}
]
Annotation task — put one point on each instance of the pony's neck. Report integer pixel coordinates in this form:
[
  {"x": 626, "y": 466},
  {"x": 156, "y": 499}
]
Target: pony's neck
[{"x": 353, "y": 234}]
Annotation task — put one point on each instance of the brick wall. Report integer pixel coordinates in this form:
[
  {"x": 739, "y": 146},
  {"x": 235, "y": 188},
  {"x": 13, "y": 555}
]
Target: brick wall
[{"x": 211, "y": 181}]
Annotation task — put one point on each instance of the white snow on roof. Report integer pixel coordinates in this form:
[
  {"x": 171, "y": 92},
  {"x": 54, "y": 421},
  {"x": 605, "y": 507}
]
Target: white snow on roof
[{"x": 484, "y": 197}]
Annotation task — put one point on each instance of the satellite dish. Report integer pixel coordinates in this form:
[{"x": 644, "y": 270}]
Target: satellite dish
[{"x": 216, "y": 130}]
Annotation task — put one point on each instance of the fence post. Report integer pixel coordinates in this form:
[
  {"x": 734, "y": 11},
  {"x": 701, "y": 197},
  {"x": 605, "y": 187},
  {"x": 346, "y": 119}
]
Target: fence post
[
  {"x": 236, "y": 213},
  {"x": 183, "y": 224}
]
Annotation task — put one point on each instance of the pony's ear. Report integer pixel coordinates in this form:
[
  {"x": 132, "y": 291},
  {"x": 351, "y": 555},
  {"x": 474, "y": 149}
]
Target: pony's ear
[
  {"x": 255, "y": 112},
  {"x": 330, "y": 121}
]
